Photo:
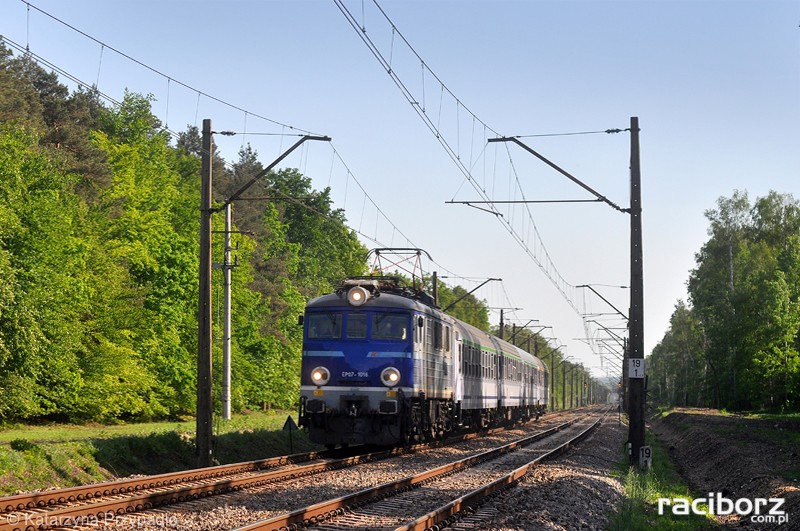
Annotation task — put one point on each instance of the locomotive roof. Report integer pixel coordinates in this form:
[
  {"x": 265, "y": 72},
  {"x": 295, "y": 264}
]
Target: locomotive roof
[
  {"x": 385, "y": 291},
  {"x": 389, "y": 292},
  {"x": 384, "y": 300}
]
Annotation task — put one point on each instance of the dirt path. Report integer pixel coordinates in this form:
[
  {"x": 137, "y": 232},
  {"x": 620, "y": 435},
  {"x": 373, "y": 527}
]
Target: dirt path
[{"x": 738, "y": 457}]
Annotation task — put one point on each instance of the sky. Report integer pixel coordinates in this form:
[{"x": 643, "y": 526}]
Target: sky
[{"x": 715, "y": 86}]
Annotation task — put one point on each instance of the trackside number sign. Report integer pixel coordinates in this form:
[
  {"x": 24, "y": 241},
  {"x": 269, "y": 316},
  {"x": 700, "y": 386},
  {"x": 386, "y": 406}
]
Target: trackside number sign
[
  {"x": 645, "y": 457},
  {"x": 636, "y": 368}
]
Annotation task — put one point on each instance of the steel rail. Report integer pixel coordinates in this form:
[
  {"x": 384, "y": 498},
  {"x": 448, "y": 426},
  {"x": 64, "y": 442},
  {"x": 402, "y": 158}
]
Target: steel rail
[
  {"x": 452, "y": 511},
  {"x": 324, "y": 510},
  {"x": 52, "y": 498},
  {"x": 171, "y": 493},
  {"x": 21, "y": 502},
  {"x": 43, "y": 507}
]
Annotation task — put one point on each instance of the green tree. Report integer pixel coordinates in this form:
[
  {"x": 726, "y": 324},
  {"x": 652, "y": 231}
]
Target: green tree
[
  {"x": 37, "y": 257},
  {"x": 676, "y": 366},
  {"x": 19, "y": 101},
  {"x": 149, "y": 227},
  {"x": 745, "y": 297},
  {"x": 468, "y": 309}
]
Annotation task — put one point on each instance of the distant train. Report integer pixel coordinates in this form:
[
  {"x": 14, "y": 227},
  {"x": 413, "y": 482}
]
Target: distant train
[{"x": 382, "y": 365}]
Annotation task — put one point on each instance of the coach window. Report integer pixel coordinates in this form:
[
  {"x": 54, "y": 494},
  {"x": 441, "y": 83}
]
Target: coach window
[
  {"x": 428, "y": 335},
  {"x": 437, "y": 335},
  {"x": 473, "y": 369},
  {"x": 324, "y": 326}
]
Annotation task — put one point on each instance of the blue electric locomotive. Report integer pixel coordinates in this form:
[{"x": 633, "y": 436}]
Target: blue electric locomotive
[{"x": 382, "y": 365}]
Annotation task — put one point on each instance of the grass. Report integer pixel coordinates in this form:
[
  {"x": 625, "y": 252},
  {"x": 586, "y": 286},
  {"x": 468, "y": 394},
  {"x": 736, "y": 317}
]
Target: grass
[
  {"x": 60, "y": 455},
  {"x": 639, "y": 508},
  {"x": 774, "y": 416},
  {"x": 664, "y": 411},
  {"x": 54, "y": 432}
]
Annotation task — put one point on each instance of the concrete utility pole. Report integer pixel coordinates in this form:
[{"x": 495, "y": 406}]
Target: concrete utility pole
[
  {"x": 551, "y": 383},
  {"x": 204, "y": 339},
  {"x": 204, "y": 321},
  {"x": 226, "y": 339},
  {"x": 636, "y": 369}
]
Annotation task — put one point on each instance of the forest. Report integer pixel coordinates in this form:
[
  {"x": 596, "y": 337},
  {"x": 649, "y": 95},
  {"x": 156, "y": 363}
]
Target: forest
[
  {"x": 99, "y": 256},
  {"x": 734, "y": 343}
]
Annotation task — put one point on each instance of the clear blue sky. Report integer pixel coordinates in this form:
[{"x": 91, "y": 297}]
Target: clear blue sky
[{"x": 715, "y": 84}]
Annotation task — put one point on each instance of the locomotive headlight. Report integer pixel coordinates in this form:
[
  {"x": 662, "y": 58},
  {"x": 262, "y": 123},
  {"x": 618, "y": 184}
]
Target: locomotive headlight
[
  {"x": 357, "y": 296},
  {"x": 390, "y": 376},
  {"x": 320, "y": 376}
]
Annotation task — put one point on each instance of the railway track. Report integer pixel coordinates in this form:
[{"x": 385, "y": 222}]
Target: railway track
[
  {"x": 90, "y": 504},
  {"x": 104, "y": 502},
  {"x": 440, "y": 496}
]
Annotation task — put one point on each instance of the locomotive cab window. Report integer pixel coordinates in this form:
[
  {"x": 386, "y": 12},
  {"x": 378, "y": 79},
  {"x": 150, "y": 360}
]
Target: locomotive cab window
[
  {"x": 356, "y": 327},
  {"x": 324, "y": 325},
  {"x": 392, "y": 326}
]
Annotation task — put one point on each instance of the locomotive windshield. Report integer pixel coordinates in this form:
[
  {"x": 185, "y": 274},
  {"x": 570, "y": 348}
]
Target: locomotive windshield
[
  {"x": 357, "y": 326},
  {"x": 326, "y": 325},
  {"x": 389, "y": 326},
  {"x": 381, "y": 326}
]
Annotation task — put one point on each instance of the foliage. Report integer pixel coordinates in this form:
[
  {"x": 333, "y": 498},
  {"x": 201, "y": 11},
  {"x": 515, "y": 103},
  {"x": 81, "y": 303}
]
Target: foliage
[
  {"x": 737, "y": 345},
  {"x": 99, "y": 256},
  {"x": 676, "y": 363},
  {"x": 463, "y": 305}
]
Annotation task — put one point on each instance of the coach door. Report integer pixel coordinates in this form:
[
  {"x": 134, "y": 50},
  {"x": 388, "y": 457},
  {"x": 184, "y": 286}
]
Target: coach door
[
  {"x": 498, "y": 383},
  {"x": 458, "y": 369}
]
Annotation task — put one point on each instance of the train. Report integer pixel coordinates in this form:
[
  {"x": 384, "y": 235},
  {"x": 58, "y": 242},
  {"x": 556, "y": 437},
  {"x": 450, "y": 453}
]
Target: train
[{"x": 383, "y": 365}]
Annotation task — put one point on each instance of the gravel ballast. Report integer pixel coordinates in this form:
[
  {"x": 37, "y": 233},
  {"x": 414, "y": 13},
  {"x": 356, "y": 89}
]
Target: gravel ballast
[{"x": 577, "y": 491}]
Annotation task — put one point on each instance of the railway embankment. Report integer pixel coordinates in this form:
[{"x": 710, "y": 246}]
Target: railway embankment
[
  {"x": 736, "y": 457},
  {"x": 35, "y": 458}
]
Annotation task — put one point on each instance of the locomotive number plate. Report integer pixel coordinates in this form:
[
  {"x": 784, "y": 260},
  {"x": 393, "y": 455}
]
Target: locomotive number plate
[
  {"x": 318, "y": 392},
  {"x": 391, "y": 394}
]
